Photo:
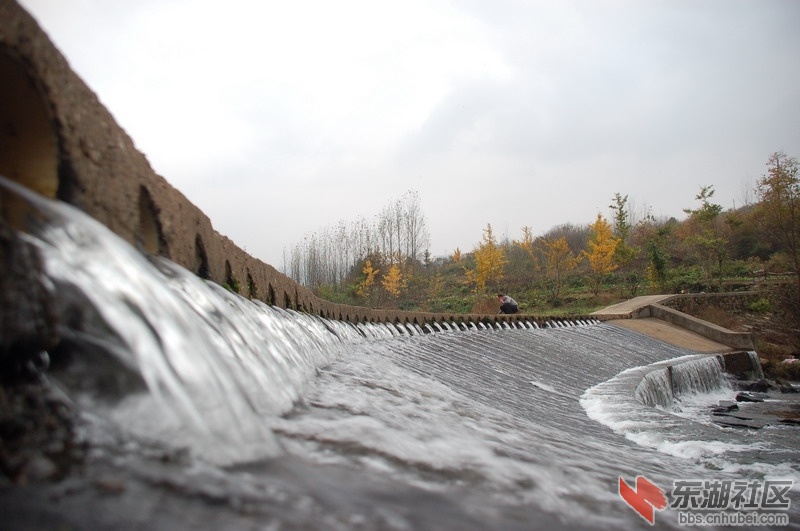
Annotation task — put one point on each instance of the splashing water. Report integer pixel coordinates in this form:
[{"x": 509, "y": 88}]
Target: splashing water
[{"x": 300, "y": 422}]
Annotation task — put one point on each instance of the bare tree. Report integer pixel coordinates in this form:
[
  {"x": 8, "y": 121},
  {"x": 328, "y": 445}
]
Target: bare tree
[
  {"x": 326, "y": 257},
  {"x": 575, "y": 236},
  {"x": 417, "y": 237}
]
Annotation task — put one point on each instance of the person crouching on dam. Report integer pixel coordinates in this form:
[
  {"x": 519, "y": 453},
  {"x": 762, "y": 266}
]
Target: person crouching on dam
[{"x": 507, "y": 304}]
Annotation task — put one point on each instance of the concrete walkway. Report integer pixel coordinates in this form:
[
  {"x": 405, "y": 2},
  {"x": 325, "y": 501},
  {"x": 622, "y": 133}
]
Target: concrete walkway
[
  {"x": 621, "y": 315},
  {"x": 624, "y": 310}
]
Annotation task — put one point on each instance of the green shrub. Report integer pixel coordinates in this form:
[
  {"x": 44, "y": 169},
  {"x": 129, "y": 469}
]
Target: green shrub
[
  {"x": 689, "y": 280},
  {"x": 738, "y": 269},
  {"x": 760, "y": 305}
]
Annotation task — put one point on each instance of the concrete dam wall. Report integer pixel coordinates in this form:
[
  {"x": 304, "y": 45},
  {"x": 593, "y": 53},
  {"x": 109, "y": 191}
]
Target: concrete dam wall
[{"x": 59, "y": 140}]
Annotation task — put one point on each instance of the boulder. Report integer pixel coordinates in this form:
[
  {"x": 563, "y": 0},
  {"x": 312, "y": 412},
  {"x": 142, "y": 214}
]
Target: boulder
[
  {"x": 748, "y": 397},
  {"x": 758, "y": 386},
  {"x": 28, "y": 322}
]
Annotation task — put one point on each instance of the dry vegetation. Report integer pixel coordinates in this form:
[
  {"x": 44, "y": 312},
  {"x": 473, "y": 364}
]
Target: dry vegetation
[{"x": 776, "y": 324}]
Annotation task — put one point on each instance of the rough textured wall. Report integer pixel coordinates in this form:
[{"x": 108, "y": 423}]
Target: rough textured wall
[
  {"x": 731, "y": 302},
  {"x": 58, "y": 139},
  {"x": 67, "y": 145}
]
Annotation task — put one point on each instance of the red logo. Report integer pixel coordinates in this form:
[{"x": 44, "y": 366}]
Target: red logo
[{"x": 644, "y": 499}]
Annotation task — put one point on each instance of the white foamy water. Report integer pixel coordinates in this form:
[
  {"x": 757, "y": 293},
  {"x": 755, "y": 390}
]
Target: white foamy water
[{"x": 336, "y": 426}]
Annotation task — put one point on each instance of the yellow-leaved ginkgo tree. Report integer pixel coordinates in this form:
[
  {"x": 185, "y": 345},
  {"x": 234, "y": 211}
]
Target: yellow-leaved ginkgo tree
[
  {"x": 600, "y": 254},
  {"x": 394, "y": 282},
  {"x": 489, "y": 261},
  {"x": 364, "y": 288}
]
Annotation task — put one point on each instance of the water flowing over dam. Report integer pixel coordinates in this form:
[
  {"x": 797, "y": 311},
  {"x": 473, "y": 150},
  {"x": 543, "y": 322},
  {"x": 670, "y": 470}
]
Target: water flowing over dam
[{"x": 202, "y": 407}]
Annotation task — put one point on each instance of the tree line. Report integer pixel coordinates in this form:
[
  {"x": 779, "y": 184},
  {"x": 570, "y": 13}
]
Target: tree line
[
  {"x": 397, "y": 236},
  {"x": 386, "y": 262}
]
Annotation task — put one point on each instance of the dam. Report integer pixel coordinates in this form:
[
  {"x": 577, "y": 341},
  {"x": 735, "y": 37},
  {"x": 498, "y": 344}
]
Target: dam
[{"x": 184, "y": 405}]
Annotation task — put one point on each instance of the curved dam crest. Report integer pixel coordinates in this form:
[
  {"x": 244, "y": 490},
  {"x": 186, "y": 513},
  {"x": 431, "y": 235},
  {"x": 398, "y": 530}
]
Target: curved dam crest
[
  {"x": 380, "y": 419},
  {"x": 198, "y": 405},
  {"x": 67, "y": 146},
  {"x": 61, "y": 142}
]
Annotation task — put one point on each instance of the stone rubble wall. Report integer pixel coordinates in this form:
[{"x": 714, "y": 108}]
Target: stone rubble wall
[{"x": 692, "y": 303}]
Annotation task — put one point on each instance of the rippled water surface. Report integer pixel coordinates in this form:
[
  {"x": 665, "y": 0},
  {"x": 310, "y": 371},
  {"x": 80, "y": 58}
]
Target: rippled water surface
[{"x": 249, "y": 416}]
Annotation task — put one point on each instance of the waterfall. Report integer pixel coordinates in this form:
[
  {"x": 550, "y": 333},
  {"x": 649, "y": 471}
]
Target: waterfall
[
  {"x": 663, "y": 386},
  {"x": 755, "y": 365},
  {"x": 214, "y": 363},
  {"x": 294, "y": 421},
  {"x": 655, "y": 389}
]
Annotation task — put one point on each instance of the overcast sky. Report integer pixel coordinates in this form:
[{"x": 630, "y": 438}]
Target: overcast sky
[{"x": 278, "y": 118}]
